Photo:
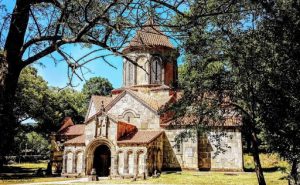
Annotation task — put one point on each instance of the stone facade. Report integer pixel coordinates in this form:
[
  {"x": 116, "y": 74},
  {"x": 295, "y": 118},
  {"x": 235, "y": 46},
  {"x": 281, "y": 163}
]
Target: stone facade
[{"x": 126, "y": 136}]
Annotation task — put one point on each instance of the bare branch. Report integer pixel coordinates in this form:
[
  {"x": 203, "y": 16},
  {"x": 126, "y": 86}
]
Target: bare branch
[{"x": 36, "y": 23}]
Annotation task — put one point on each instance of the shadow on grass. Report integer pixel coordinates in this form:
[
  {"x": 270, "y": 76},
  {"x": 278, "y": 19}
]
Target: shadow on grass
[
  {"x": 14, "y": 172},
  {"x": 271, "y": 169}
]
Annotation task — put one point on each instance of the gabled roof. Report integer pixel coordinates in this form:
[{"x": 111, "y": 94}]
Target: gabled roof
[
  {"x": 67, "y": 122},
  {"x": 228, "y": 122},
  {"x": 149, "y": 36},
  {"x": 76, "y": 140},
  {"x": 141, "y": 137},
  {"x": 74, "y": 130}
]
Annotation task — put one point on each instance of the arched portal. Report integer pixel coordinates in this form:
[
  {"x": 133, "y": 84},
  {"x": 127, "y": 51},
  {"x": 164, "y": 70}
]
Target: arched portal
[
  {"x": 91, "y": 151},
  {"x": 102, "y": 161}
]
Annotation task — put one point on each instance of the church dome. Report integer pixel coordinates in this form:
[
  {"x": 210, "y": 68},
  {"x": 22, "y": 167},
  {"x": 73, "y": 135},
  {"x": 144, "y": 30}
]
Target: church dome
[
  {"x": 151, "y": 58},
  {"x": 149, "y": 36}
]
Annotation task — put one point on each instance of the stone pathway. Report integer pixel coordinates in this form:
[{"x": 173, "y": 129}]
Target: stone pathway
[
  {"x": 58, "y": 182},
  {"x": 81, "y": 181}
]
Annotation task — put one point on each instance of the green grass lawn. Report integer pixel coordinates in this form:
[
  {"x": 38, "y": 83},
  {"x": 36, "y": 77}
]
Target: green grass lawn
[
  {"x": 33, "y": 166},
  {"x": 270, "y": 162},
  {"x": 32, "y": 180},
  {"x": 203, "y": 178},
  {"x": 24, "y": 173}
]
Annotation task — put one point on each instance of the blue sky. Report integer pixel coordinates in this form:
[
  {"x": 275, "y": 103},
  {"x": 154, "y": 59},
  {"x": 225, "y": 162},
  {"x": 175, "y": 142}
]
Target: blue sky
[{"x": 56, "y": 74}]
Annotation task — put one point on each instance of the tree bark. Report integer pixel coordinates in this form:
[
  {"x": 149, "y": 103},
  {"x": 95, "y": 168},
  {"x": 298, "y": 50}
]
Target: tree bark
[
  {"x": 10, "y": 68},
  {"x": 255, "y": 153},
  {"x": 294, "y": 173},
  {"x": 9, "y": 75}
]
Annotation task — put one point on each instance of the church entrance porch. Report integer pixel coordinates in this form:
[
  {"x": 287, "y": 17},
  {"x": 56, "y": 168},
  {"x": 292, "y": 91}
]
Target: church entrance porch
[
  {"x": 101, "y": 156},
  {"x": 102, "y": 161}
]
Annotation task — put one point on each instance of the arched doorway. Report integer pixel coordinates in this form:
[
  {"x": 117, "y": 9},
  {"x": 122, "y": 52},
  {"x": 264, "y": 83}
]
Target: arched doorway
[{"x": 102, "y": 160}]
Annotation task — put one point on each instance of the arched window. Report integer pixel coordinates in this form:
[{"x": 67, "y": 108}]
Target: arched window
[
  {"x": 129, "y": 73},
  {"x": 128, "y": 117},
  {"x": 156, "y": 70}
]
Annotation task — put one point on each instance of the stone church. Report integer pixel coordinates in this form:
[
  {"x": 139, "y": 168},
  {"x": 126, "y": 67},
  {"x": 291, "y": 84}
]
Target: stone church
[{"x": 125, "y": 135}]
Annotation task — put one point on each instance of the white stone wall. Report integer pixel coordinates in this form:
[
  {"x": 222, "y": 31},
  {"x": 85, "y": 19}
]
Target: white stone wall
[
  {"x": 90, "y": 131},
  {"x": 92, "y": 110},
  {"x": 186, "y": 154},
  {"x": 146, "y": 119},
  {"x": 188, "y": 157},
  {"x": 232, "y": 158}
]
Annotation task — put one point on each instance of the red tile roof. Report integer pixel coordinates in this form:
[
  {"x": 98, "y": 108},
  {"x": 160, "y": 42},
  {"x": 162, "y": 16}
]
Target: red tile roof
[
  {"x": 74, "y": 130},
  {"x": 77, "y": 140},
  {"x": 230, "y": 121},
  {"x": 141, "y": 137},
  {"x": 149, "y": 36},
  {"x": 125, "y": 129},
  {"x": 67, "y": 122}
]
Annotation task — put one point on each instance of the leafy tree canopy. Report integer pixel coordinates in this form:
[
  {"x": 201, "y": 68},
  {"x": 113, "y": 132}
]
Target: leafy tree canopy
[
  {"x": 97, "y": 86},
  {"x": 47, "y": 106}
]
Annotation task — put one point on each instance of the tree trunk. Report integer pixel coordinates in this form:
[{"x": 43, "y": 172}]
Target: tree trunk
[
  {"x": 9, "y": 75},
  {"x": 294, "y": 173},
  {"x": 255, "y": 153},
  {"x": 10, "y": 68}
]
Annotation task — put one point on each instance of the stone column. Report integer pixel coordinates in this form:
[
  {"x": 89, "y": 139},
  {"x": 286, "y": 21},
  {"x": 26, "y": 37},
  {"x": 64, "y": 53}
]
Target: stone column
[
  {"x": 126, "y": 170},
  {"x": 106, "y": 122},
  {"x": 114, "y": 166},
  {"x": 83, "y": 164},
  {"x": 64, "y": 164},
  {"x": 163, "y": 73},
  {"x": 74, "y": 163},
  {"x": 88, "y": 165},
  {"x": 145, "y": 165},
  {"x": 150, "y": 72},
  {"x": 154, "y": 154},
  {"x": 136, "y": 163},
  {"x": 96, "y": 126}
]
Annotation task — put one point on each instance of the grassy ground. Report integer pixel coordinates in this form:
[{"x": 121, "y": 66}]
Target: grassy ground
[
  {"x": 32, "y": 180},
  {"x": 24, "y": 173},
  {"x": 33, "y": 166},
  {"x": 203, "y": 178}
]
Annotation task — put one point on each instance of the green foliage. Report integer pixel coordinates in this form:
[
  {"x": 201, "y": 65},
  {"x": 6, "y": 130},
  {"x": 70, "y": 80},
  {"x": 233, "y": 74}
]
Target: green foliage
[
  {"x": 257, "y": 57},
  {"x": 37, "y": 143},
  {"x": 97, "y": 86},
  {"x": 47, "y": 106},
  {"x": 270, "y": 162},
  {"x": 31, "y": 91}
]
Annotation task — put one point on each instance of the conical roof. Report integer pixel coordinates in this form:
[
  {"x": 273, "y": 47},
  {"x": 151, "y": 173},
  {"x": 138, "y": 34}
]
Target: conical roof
[{"x": 149, "y": 36}]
